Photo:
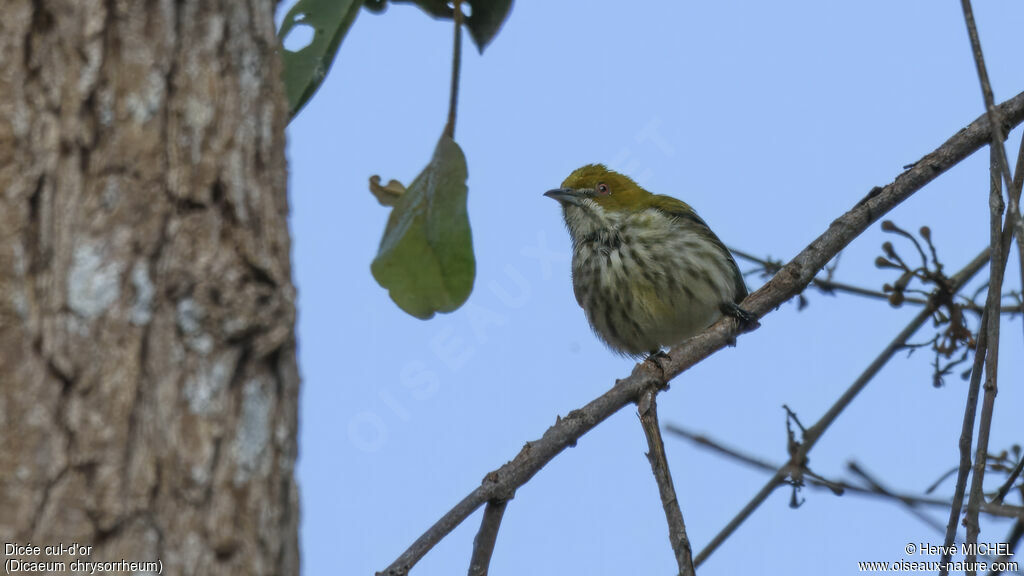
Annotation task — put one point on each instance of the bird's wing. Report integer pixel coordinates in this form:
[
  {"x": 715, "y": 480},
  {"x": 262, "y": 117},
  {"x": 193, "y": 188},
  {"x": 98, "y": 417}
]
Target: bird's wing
[{"x": 680, "y": 210}]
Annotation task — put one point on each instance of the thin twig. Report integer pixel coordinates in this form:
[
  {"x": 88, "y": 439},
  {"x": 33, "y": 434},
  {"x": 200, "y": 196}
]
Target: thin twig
[
  {"x": 912, "y": 504},
  {"x": 714, "y": 446},
  {"x": 825, "y": 284},
  {"x": 988, "y": 338},
  {"x": 777, "y": 479},
  {"x": 647, "y": 408},
  {"x": 1015, "y": 536},
  {"x": 980, "y": 354},
  {"x": 814, "y": 433},
  {"x": 966, "y": 439},
  {"x": 994, "y": 509},
  {"x": 986, "y": 93},
  {"x": 483, "y": 543},
  {"x": 816, "y": 482},
  {"x": 797, "y": 459},
  {"x": 791, "y": 279},
  {"x": 1013, "y": 209},
  {"x": 977, "y": 495},
  {"x": 1005, "y": 488},
  {"x": 453, "y": 96}
]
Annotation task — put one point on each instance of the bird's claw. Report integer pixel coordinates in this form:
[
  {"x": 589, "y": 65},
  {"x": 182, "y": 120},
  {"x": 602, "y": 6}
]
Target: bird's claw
[
  {"x": 657, "y": 357},
  {"x": 747, "y": 320}
]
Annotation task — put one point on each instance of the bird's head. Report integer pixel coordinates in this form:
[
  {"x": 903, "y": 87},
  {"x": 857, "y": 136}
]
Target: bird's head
[
  {"x": 595, "y": 188},
  {"x": 595, "y": 200}
]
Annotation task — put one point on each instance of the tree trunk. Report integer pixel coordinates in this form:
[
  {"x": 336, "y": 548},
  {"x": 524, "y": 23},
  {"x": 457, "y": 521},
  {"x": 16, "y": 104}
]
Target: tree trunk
[{"x": 148, "y": 381}]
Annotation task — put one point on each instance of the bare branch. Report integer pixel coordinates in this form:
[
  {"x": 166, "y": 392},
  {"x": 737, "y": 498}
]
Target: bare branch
[
  {"x": 777, "y": 479},
  {"x": 825, "y": 284},
  {"x": 714, "y": 446},
  {"x": 993, "y": 509},
  {"x": 912, "y": 504},
  {"x": 966, "y": 439},
  {"x": 988, "y": 338},
  {"x": 1003, "y": 165},
  {"x": 1014, "y": 209},
  {"x": 486, "y": 537},
  {"x": 875, "y": 490},
  {"x": 814, "y": 433},
  {"x": 648, "y": 412},
  {"x": 794, "y": 277},
  {"x": 1005, "y": 488},
  {"x": 1013, "y": 538},
  {"x": 829, "y": 286},
  {"x": 977, "y": 496}
]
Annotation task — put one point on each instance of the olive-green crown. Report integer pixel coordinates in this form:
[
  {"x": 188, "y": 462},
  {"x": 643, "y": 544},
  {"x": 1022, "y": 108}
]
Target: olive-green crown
[{"x": 624, "y": 192}]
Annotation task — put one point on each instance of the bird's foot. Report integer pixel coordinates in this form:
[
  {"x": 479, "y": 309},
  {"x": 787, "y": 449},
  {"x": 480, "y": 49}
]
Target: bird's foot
[
  {"x": 657, "y": 357},
  {"x": 747, "y": 320}
]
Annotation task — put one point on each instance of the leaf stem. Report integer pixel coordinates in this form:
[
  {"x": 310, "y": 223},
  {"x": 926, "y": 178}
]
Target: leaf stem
[{"x": 453, "y": 98}]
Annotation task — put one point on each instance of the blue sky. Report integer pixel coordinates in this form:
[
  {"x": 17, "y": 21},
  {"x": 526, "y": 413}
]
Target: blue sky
[{"x": 771, "y": 119}]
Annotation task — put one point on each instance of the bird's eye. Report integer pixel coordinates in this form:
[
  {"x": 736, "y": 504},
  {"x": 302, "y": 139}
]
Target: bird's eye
[{"x": 603, "y": 189}]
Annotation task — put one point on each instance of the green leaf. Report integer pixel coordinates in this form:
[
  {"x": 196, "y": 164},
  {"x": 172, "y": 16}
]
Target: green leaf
[
  {"x": 436, "y": 8},
  {"x": 305, "y": 69},
  {"x": 375, "y": 6},
  {"x": 485, "y": 20},
  {"x": 425, "y": 259}
]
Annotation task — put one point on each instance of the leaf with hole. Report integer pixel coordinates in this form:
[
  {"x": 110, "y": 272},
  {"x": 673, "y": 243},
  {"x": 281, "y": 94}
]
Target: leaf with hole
[
  {"x": 306, "y": 67},
  {"x": 425, "y": 259}
]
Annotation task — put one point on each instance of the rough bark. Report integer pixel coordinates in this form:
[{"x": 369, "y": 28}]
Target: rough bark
[{"x": 148, "y": 381}]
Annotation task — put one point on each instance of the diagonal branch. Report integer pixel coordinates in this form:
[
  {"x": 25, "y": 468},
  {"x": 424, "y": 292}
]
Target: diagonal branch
[
  {"x": 825, "y": 284},
  {"x": 832, "y": 286},
  {"x": 1015, "y": 536},
  {"x": 1005, "y": 488},
  {"x": 648, "y": 410},
  {"x": 728, "y": 452},
  {"x": 794, "y": 277},
  {"x": 795, "y": 465},
  {"x": 912, "y": 504}
]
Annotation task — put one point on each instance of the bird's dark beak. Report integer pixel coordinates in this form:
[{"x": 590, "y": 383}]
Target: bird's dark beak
[{"x": 564, "y": 196}]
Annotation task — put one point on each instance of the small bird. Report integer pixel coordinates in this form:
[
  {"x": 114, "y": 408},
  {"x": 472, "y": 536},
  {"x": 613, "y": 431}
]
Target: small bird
[{"x": 647, "y": 271}]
